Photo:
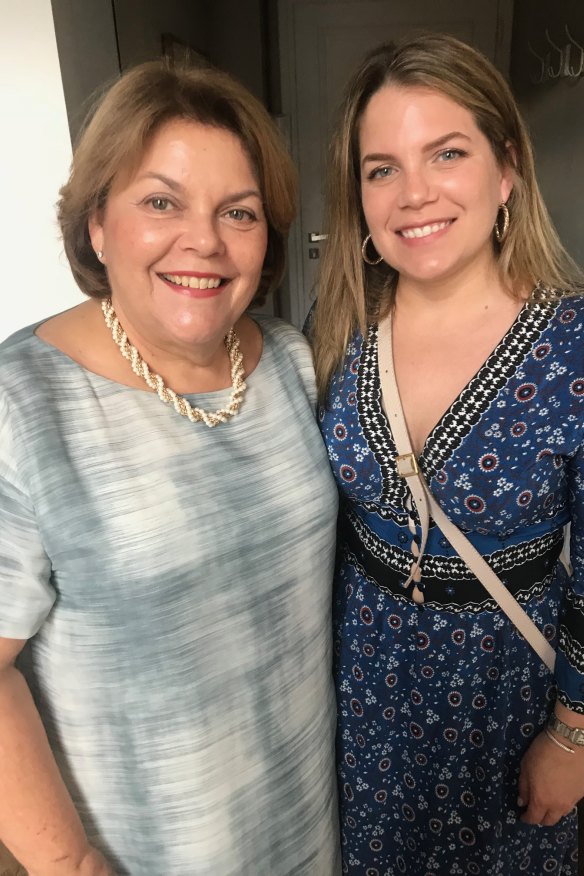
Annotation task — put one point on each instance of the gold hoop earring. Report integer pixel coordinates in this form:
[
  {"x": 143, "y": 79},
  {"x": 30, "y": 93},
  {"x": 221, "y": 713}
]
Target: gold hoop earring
[
  {"x": 364, "y": 252},
  {"x": 501, "y": 233}
]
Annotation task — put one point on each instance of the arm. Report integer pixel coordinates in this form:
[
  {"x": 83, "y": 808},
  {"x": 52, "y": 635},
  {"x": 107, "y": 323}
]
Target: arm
[
  {"x": 552, "y": 779},
  {"x": 38, "y": 821}
]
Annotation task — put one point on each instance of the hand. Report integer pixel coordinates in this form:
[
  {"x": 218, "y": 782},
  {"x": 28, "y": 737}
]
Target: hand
[
  {"x": 92, "y": 864},
  {"x": 551, "y": 781}
]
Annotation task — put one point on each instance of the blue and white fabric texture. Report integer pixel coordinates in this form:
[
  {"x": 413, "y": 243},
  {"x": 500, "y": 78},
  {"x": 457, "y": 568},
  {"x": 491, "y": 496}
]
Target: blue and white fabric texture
[
  {"x": 175, "y": 582},
  {"x": 438, "y": 703}
]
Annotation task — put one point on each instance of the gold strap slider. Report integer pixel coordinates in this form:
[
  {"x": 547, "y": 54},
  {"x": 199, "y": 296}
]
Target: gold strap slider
[{"x": 407, "y": 465}]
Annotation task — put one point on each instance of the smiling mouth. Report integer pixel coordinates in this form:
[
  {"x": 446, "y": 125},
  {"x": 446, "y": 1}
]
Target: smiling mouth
[
  {"x": 424, "y": 230},
  {"x": 188, "y": 282}
]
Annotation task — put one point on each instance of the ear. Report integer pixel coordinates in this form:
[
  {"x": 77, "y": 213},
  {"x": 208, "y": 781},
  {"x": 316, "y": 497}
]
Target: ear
[
  {"x": 95, "y": 228},
  {"x": 508, "y": 172}
]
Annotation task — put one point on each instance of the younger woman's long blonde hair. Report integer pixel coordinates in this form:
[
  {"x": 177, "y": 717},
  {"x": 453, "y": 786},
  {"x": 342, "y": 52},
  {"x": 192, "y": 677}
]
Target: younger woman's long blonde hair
[{"x": 352, "y": 294}]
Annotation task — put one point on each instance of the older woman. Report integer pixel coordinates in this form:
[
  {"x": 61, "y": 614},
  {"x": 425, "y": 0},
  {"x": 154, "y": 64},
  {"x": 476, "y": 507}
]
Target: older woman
[
  {"x": 459, "y": 751},
  {"x": 166, "y": 516}
]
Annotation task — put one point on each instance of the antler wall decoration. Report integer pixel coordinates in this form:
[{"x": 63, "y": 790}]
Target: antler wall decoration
[{"x": 559, "y": 61}]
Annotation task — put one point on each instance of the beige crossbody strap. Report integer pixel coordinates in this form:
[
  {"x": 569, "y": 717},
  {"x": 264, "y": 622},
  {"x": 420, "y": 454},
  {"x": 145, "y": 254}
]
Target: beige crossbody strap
[{"x": 426, "y": 505}]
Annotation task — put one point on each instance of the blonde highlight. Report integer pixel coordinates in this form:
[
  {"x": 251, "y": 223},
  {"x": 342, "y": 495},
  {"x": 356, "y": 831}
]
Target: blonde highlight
[{"x": 353, "y": 295}]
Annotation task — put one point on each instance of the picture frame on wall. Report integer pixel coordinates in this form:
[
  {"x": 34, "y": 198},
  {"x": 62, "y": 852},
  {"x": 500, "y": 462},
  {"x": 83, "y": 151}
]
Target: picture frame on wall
[{"x": 180, "y": 53}]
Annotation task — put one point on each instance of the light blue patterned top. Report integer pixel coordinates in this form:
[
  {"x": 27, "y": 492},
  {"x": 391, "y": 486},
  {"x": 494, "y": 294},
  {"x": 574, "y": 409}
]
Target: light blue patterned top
[{"x": 176, "y": 580}]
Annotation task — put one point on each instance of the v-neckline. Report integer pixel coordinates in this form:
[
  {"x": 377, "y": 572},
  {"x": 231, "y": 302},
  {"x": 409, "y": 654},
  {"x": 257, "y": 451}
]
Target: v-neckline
[
  {"x": 483, "y": 369},
  {"x": 466, "y": 409}
]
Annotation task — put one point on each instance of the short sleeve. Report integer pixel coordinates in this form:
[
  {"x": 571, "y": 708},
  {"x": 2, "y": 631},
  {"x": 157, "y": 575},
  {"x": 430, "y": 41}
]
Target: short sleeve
[{"x": 26, "y": 593}]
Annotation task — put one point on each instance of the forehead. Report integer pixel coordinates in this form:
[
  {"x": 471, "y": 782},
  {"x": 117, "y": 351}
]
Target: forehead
[
  {"x": 182, "y": 138},
  {"x": 181, "y": 147},
  {"x": 415, "y": 115}
]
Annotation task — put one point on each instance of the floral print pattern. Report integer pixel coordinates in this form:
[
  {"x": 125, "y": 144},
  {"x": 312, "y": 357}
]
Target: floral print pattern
[{"x": 439, "y": 702}]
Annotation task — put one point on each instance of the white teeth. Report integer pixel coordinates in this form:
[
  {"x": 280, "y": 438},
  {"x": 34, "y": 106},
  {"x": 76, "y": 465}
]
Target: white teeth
[
  {"x": 424, "y": 230},
  {"x": 193, "y": 282}
]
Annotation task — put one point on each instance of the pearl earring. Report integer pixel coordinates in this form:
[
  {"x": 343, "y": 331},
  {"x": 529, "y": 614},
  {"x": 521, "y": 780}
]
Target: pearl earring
[{"x": 99, "y": 254}]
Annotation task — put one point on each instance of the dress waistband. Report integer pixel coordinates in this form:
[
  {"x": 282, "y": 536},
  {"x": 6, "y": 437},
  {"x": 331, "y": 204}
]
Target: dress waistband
[{"x": 526, "y": 569}]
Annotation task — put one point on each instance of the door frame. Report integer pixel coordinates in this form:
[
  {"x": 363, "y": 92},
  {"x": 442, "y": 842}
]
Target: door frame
[{"x": 299, "y": 298}]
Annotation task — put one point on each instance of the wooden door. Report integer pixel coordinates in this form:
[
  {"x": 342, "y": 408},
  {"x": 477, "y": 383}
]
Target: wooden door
[{"x": 321, "y": 41}]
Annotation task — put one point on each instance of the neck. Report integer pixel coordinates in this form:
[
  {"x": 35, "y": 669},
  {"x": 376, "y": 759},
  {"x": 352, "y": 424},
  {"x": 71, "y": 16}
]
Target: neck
[
  {"x": 184, "y": 367},
  {"x": 476, "y": 286}
]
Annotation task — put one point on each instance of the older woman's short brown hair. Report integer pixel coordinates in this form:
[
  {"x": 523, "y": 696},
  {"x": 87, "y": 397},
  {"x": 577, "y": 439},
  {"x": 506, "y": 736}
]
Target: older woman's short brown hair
[{"x": 118, "y": 132}]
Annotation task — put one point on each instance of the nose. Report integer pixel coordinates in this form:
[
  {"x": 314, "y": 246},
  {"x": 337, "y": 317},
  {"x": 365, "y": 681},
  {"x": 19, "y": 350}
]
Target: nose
[
  {"x": 202, "y": 235},
  {"x": 416, "y": 188}
]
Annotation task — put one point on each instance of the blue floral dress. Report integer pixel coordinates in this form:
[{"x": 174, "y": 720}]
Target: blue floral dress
[{"x": 438, "y": 703}]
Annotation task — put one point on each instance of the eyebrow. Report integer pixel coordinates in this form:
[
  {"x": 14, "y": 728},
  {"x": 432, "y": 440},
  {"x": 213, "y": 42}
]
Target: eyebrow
[
  {"x": 429, "y": 147},
  {"x": 167, "y": 180},
  {"x": 177, "y": 187},
  {"x": 241, "y": 196}
]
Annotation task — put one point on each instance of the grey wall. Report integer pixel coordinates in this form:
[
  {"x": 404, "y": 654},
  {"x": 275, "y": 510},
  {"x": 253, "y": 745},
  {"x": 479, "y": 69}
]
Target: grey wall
[
  {"x": 554, "y": 111},
  {"x": 98, "y": 38},
  {"x": 230, "y": 33},
  {"x": 88, "y": 53},
  {"x": 141, "y": 23},
  {"x": 238, "y": 41}
]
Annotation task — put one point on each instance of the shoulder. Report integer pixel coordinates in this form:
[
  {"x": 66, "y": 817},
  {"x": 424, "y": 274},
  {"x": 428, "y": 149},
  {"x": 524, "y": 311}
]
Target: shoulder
[
  {"x": 18, "y": 339},
  {"x": 24, "y": 374},
  {"x": 553, "y": 338},
  {"x": 568, "y": 319},
  {"x": 285, "y": 339},
  {"x": 33, "y": 373},
  {"x": 18, "y": 380},
  {"x": 55, "y": 334},
  {"x": 569, "y": 307},
  {"x": 17, "y": 353},
  {"x": 289, "y": 349}
]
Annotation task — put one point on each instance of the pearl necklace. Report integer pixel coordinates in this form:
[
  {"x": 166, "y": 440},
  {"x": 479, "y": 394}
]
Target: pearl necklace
[{"x": 168, "y": 396}]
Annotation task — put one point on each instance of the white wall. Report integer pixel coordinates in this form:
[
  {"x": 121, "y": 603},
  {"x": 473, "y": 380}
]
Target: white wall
[{"x": 35, "y": 152}]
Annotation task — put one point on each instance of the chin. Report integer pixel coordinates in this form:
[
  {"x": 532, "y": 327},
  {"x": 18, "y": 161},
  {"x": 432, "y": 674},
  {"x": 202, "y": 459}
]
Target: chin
[
  {"x": 432, "y": 273},
  {"x": 200, "y": 333}
]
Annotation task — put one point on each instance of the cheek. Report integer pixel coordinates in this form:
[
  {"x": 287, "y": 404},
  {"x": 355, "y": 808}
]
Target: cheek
[
  {"x": 252, "y": 254},
  {"x": 131, "y": 238},
  {"x": 377, "y": 205},
  {"x": 478, "y": 188}
]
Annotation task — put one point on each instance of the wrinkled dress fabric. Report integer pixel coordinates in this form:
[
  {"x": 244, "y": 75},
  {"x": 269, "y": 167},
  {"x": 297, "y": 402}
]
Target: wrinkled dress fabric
[
  {"x": 438, "y": 703},
  {"x": 175, "y": 582}
]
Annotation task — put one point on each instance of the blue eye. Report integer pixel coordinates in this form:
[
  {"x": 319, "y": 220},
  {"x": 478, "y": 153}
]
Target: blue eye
[
  {"x": 380, "y": 173},
  {"x": 451, "y": 154}
]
